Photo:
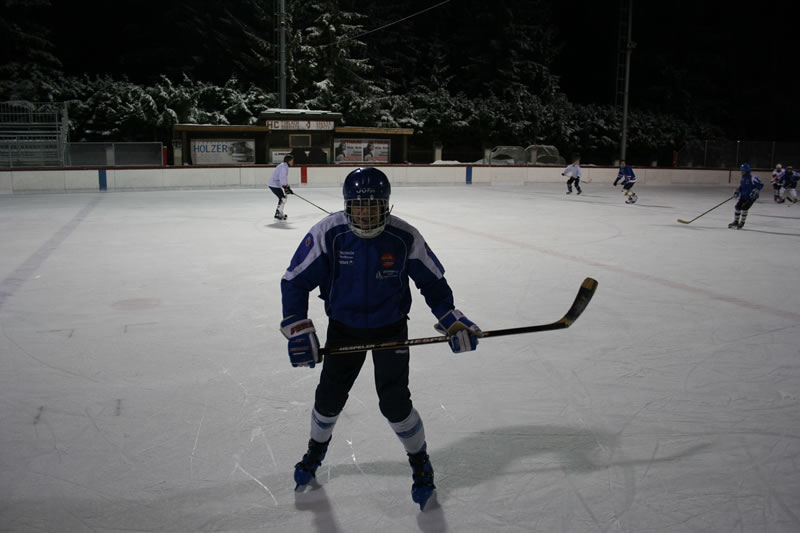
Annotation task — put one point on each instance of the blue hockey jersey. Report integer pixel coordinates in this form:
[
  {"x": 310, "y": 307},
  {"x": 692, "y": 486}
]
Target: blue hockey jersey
[
  {"x": 749, "y": 186},
  {"x": 364, "y": 282},
  {"x": 626, "y": 174}
]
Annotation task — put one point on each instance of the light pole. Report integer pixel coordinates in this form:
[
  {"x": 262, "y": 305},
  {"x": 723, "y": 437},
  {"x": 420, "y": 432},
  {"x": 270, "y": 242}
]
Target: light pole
[
  {"x": 630, "y": 45},
  {"x": 282, "y": 29}
]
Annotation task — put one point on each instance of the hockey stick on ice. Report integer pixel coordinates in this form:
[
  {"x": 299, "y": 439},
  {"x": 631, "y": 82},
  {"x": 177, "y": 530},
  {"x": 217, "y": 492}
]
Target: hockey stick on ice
[
  {"x": 698, "y": 216},
  {"x": 312, "y": 203},
  {"x": 585, "y": 294}
]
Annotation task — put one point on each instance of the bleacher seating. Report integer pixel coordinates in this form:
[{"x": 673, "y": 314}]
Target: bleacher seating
[{"x": 33, "y": 134}]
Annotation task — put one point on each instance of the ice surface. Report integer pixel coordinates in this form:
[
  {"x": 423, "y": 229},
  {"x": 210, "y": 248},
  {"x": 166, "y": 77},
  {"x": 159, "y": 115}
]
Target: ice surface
[{"x": 144, "y": 385}]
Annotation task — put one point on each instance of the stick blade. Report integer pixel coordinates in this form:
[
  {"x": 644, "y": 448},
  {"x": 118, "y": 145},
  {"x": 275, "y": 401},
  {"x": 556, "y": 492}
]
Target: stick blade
[
  {"x": 684, "y": 221},
  {"x": 585, "y": 293}
]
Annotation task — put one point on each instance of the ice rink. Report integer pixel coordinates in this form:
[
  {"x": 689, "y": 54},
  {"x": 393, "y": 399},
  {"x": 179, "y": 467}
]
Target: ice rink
[{"x": 145, "y": 386}]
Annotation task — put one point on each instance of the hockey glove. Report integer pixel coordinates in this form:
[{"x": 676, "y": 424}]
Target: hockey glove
[
  {"x": 288, "y": 190},
  {"x": 303, "y": 341},
  {"x": 463, "y": 332},
  {"x": 736, "y": 193}
]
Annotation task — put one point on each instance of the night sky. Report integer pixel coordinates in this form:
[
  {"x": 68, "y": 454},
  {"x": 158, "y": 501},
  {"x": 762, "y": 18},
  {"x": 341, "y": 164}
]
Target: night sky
[
  {"x": 734, "y": 60},
  {"x": 733, "y": 64}
]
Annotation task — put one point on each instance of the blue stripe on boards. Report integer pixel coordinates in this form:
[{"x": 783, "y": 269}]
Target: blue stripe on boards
[
  {"x": 101, "y": 179},
  {"x": 469, "y": 175}
]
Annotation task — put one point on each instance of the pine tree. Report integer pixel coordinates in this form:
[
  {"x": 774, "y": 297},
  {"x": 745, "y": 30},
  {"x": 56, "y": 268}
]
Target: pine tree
[
  {"x": 330, "y": 62},
  {"x": 27, "y": 58}
]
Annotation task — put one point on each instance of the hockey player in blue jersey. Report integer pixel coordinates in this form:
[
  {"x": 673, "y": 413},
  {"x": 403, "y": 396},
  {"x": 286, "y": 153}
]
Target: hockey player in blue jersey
[
  {"x": 788, "y": 185},
  {"x": 747, "y": 194},
  {"x": 361, "y": 260},
  {"x": 628, "y": 178}
]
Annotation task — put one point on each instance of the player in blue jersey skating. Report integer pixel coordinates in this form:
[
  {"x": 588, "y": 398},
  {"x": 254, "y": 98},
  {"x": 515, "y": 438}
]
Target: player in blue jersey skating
[
  {"x": 628, "y": 178},
  {"x": 788, "y": 185},
  {"x": 362, "y": 259},
  {"x": 747, "y": 194}
]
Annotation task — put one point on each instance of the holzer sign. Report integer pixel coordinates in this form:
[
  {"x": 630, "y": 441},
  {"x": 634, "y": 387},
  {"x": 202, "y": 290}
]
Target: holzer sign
[{"x": 223, "y": 151}]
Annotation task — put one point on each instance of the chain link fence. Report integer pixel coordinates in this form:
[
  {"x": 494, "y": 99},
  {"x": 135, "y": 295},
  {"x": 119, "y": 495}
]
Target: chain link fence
[{"x": 730, "y": 154}]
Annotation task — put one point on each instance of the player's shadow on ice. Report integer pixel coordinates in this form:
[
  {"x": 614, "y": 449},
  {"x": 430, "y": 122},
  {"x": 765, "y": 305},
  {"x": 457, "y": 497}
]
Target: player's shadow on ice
[
  {"x": 771, "y": 232},
  {"x": 478, "y": 458},
  {"x": 513, "y": 451}
]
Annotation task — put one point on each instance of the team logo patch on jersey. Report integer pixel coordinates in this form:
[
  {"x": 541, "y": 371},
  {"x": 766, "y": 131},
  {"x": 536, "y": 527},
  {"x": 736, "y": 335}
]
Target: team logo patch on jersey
[
  {"x": 301, "y": 252},
  {"x": 387, "y": 260},
  {"x": 387, "y": 274}
]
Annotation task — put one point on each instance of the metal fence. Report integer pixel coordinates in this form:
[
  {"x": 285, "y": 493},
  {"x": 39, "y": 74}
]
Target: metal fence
[
  {"x": 102, "y": 154},
  {"x": 730, "y": 154},
  {"x": 32, "y": 133}
]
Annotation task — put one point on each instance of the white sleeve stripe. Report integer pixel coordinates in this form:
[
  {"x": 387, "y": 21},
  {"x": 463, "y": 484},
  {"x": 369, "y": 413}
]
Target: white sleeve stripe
[{"x": 317, "y": 232}]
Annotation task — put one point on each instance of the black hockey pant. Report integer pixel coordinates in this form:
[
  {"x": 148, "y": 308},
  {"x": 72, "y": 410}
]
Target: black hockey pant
[
  {"x": 278, "y": 191},
  {"x": 339, "y": 372}
]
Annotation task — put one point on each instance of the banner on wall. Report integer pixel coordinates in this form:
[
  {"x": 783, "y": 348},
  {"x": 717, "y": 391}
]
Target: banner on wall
[
  {"x": 362, "y": 150},
  {"x": 223, "y": 151},
  {"x": 302, "y": 156}
]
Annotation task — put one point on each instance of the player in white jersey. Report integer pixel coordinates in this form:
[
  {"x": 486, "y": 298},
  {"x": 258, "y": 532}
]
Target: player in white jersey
[
  {"x": 777, "y": 177},
  {"x": 279, "y": 184},
  {"x": 573, "y": 172}
]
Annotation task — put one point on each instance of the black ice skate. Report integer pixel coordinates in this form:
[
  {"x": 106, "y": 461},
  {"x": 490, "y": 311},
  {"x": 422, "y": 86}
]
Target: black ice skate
[
  {"x": 306, "y": 469},
  {"x": 734, "y": 224},
  {"x": 422, "y": 473}
]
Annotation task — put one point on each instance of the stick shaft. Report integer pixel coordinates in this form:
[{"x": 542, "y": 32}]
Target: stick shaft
[
  {"x": 701, "y": 214},
  {"x": 310, "y": 202},
  {"x": 585, "y": 294}
]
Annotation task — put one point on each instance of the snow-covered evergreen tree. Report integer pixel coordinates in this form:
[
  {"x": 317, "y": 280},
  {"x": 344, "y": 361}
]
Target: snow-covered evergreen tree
[
  {"x": 28, "y": 61},
  {"x": 330, "y": 62}
]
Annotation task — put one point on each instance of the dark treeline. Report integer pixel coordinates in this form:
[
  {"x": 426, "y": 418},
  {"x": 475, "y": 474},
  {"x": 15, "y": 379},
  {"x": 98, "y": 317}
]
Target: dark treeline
[{"x": 465, "y": 73}]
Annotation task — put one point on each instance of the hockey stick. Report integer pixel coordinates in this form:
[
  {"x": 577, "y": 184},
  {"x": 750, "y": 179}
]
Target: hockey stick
[
  {"x": 698, "y": 216},
  {"x": 312, "y": 203},
  {"x": 585, "y": 294}
]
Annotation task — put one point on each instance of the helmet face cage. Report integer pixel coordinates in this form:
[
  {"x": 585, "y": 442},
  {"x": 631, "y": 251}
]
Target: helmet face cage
[
  {"x": 366, "y": 201},
  {"x": 367, "y": 216}
]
